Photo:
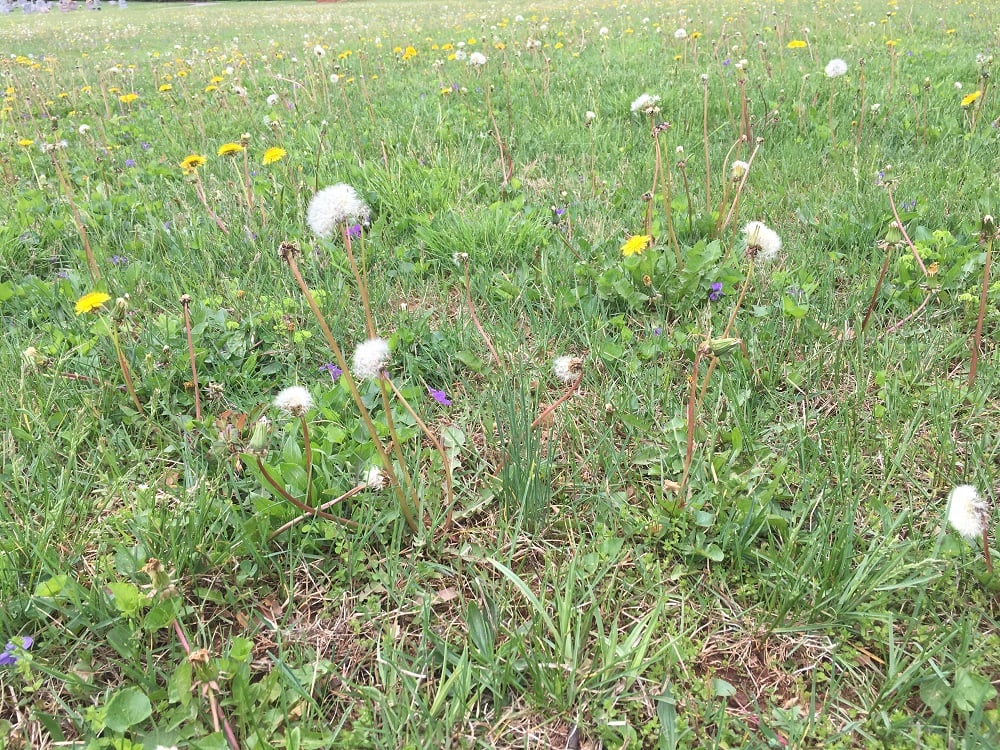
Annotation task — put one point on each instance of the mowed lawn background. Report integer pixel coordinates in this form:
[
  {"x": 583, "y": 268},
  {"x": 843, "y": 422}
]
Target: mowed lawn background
[{"x": 633, "y": 471}]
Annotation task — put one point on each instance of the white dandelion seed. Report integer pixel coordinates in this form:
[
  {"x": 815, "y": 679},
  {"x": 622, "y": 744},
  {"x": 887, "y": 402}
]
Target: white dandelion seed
[
  {"x": 646, "y": 104},
  {"x": 967, "y": 511},
  {"x": 835, "y": 68},
  {"x": 567, "y": 368},
  {"x": 332, "y": 206},
  {"x": 762, "y": 239},
  {"x": 295, "y": 400},
  {"x": 370, "y": 358}
]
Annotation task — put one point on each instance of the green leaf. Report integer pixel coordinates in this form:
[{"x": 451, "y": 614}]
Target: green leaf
[
  {"x": 161, "y": 615},
  {"x": 52, "y": 587},
  {"x": 470, "y": 360},
  {"x": 721, "y": 688},
  {"x": 179, "y": 684},
  {"x": 126, "y": 709},
  {"x": 971, "y": 691},
  {"x": 127, "y": 597}
]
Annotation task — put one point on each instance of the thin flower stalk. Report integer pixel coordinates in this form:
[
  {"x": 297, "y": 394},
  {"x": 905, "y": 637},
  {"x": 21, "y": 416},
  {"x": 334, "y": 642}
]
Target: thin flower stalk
[
  {"x": 199, "y": 190},
  {"x": 690, "y": 416},
  {"x": 704, "y": 138},
  {"x": 731, "y": 214},
  {"x": 286, "y": 495},
  {"x": 543, "y": 415},
  {"x": 989, "y": 233},
  {"x": 464, "y": 258},
  {"x": 506, "y": 160},
  {"x": 667, "y": 189},
  {"x": 126, "y": 372},
  {"x": 288, "y": 254},
  {"x": 445, "y": 461},
  {"x": 902, "y": 229},
  {"x": 888, "y": 247},
  {"x": 186, "y": 304},
  {"x": 324, "y": 507},
  {"x": 725, "y": 185},
  {"x": 95, "y": 272}
]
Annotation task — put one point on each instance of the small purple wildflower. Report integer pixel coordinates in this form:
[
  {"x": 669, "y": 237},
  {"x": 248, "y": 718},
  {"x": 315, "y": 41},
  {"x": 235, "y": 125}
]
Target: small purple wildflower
[
  {"x": 657, "y": 331},
  {"x": 726, "y": 61},
  {"x": 440, "y": 396},
  {"x": 129, "y": 163},
  {"x": 7, "y": 656},
  {"x": 335, "y": 372},
  {"x": 716, "y": 292},
  {"x": 354, "y": 231},
  {"x": 144, "y": 146},
  {"x": 119, "y": 260}
]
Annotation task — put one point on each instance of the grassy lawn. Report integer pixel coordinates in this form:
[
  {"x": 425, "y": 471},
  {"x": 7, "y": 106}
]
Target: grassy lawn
[{"x": 613, "y": 398}]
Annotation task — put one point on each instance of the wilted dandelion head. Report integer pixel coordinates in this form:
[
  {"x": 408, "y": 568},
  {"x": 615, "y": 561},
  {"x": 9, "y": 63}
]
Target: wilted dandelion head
[
  {"x": 835, "y": 68},
  {"x": 295, "y": 400},
  {"x": 374, "y": 478},
  {"x": 737, "y": 169},
  {"x": 763, "y": 243},
  {"x": 646, "y": 104},
  {"x": 333, "y": 206},
  {"x": 370, "y": 358},
  {"x": 567, "y": 368},
  {"x": 967, "y": 511}
]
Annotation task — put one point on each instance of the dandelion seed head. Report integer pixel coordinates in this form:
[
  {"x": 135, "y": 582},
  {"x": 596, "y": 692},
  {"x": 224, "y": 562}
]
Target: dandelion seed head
[
  {"x": 967, "y": 511},
  {"x": 370, "y": 358},
  {"x": 763, "y": 243},
  {"x": 295, "y": 400},
  {"x": 835, "y": 68},
  {"x": 332, "y": 206},
  {"x": 374, "y": 478},
  {"x": 567, "y": 368},
  {"x": 646, "y": 104}
]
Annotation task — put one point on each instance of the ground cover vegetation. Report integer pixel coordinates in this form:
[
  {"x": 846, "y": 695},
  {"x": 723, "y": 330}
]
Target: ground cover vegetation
[{"x": 577, "y": 375}]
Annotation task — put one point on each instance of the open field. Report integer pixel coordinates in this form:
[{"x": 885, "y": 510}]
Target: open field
[{"x": 614, "y": 467}]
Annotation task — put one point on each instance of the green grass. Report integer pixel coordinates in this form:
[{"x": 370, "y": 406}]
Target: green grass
[{"x": 795, "y": 585}]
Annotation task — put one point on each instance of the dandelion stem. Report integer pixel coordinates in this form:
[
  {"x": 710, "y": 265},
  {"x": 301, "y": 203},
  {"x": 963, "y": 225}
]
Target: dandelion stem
[
  {"x": 446, "y": 462},
  {"x": 902, "y": 229},
  {"x": 977, "y": 336},
  {"x": 689, "y": 445},
  {"x": 739, "y": 190},
  {"x": 185, "y": 304},
  {"x": 552, "y": 407},
  {"x": 878, "y": 286},
  {"x": 704, "y": 138},
  {"x": 95, "y": 273},
  {"x": 325, "y": 506},
  {"x": 289, "y": 255},
  {"x": 123, "y": 365},
  {"x": 296, "y": 502},
  {"x": 472, "y": 308}
]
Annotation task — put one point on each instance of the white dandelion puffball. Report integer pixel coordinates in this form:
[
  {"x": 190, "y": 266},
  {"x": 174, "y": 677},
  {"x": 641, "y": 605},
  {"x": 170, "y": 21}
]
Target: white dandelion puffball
[
  {"x": 680, "y": 34},
  {"x": 567, "y": 368},
  {"x": 374, "y": 478},
  {"x": 272, "y": 99},
  {"x": 477, "y": 59},
  {"x": 294, "y": 400},
  {"x": 647, "y": 104},
  {"x": 333, "y": 206},
  {"x": 319, "y": 51},
  {"x": 370, "y": 358},
  {"x": 589, "y": 117},
  {"x": 737, "y": 169},
  {"x": 967, "y": 511},
  {"x": 835, "y": 68},
  {"x": 764, "y": 239}
]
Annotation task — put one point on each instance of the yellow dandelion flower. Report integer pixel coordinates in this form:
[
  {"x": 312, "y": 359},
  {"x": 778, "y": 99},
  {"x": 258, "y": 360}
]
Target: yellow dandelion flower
[
  {"x": 273, "y": 154},
  {"x": 797, "y": 44},
  {"x": 90, "y": 302},
  {"x": 635, "y": 244},
  {"x": 192, "y": 162},
  {"x": 128, "y": 98},
  {"x": 210, "y": 88},
  {"x": 970, "y": 98},
  {"x": 165, "y": 87},
  {"x": 229, "y": 149},
  {"x": 409, "y": 53},
  {"x": 25, "y": 142}
]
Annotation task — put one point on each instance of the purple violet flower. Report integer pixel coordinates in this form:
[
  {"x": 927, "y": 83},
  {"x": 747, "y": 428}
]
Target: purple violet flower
[
  {"x": 440, "y": 396},
  {"x": 129, "y": 163},
  {"x": 354, "y": 231},
  {"x": 716, "y": 292},
  {"x": 119, "y": 260},
  {"x": 335, "y": 372},
  {"x": 8, "y": 655}
]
